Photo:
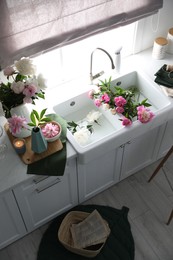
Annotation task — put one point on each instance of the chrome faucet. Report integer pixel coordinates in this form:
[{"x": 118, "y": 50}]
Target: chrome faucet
[{"x": 91, "y": 61}]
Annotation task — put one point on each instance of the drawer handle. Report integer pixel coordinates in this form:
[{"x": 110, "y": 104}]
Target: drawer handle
[
  {"x": 48, "y": 186},
  {"x": 36, "y": 181}
]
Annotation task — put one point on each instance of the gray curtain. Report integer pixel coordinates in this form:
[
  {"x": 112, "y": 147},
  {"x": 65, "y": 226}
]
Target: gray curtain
[{"x": 29, "y": 27}]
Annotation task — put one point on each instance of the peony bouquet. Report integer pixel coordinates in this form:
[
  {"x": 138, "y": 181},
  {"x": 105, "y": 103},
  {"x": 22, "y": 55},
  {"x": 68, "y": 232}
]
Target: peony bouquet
[
  {"x": 22, "y": 86},
  {"x": 123, "y": 102}
]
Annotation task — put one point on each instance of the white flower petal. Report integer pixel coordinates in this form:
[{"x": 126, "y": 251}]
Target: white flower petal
[
  {"x": 25, "y": 66},
  {"x": 93, "y": 116},
  {"x": 82, "y": 136}
]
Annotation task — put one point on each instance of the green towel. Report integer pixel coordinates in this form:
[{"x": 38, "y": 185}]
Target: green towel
[{"x": 54, "y": 164}]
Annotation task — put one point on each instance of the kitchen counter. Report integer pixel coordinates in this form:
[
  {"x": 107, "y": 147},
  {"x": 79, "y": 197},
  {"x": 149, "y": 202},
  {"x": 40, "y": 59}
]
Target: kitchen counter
[{"x": 13, "y": 170}]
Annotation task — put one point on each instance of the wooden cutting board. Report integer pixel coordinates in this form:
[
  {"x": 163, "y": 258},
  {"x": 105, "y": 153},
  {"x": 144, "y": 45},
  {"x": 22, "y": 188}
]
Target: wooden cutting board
[{"x": 29, "y": 156}]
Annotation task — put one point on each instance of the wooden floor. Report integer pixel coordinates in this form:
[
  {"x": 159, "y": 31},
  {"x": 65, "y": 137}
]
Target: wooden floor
[{"x": 150, "y": 205}]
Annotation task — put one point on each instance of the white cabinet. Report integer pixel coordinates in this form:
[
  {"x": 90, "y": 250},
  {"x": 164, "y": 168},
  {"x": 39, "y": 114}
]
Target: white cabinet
[
  {"x": 42, "y": 198},
  {"x": 167, "y": 140},
  {"x": 97, "y": 175},
  {"x": 118, "y": 164},
  {"x": 139, "y": 152},
  {"x": 11, "y": 223}
]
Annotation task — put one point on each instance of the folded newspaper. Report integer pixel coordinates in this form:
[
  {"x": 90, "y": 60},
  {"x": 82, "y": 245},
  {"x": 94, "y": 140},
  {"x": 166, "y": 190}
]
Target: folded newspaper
[{"x": 92, "y": 230}]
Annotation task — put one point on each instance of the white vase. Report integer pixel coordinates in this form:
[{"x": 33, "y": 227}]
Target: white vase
[{"x": 25, "y": 111}]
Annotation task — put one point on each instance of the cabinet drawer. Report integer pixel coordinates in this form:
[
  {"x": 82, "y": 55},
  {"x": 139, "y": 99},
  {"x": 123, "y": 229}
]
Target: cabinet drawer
[{"x": 42, "y": 198}]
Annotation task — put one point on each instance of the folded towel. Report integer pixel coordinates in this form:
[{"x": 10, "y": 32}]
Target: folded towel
[
  {"x": 164, "y": 77},
  {"x": 167, "y": 91}
]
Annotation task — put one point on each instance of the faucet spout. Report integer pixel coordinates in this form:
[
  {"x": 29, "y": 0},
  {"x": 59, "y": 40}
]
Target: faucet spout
[{"x": 100, "y": 73}]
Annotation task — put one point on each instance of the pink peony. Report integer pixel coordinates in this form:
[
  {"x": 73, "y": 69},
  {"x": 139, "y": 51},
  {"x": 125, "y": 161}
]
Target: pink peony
[
  {"x": 30, "y": 90},
  {"x": 119, "y": 110},
  {"x": 91, "y": 94},
  {"x": 97, "y": 102},
  {"x": 50, "y": 130},
  {"x": 16, "y": 123},
  {"x": 120, "y": 101},
  {"x": 8, "y": 71},
  {"x": 126, "y": 121},
  {"x": 144, "y": 114},
  {"x": 105, "y": 97}
]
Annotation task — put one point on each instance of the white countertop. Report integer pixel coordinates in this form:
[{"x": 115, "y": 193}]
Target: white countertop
[{"x": 13, "y": 170}]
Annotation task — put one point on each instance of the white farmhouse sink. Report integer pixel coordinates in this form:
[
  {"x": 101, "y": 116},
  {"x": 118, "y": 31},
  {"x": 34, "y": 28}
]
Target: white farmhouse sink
[
  {"x": 147, "y": 89},
  {"x": 110, "y": 133}
]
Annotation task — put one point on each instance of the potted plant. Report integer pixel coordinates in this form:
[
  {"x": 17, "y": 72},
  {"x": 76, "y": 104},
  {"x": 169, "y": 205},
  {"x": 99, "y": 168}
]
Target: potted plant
[{"x": 51, "y": 130}]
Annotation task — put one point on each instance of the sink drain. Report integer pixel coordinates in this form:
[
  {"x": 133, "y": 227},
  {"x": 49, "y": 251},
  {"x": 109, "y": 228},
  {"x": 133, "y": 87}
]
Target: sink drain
[
  {"x": 118, "y": 83},
  {"x": 72, "y": 103}
]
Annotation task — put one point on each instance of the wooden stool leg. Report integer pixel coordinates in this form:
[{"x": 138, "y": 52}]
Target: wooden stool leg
[
  {"x": 170, "y": 218},
  {"x": 161, "y": 164}
]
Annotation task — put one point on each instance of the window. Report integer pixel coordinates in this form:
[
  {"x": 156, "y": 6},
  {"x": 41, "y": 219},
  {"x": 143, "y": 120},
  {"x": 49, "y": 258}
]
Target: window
[{"x": 73, "y": 61}]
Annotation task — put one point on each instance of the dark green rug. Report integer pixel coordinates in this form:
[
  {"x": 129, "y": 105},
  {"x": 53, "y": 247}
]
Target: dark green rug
[{"x": 119, "y": 245}]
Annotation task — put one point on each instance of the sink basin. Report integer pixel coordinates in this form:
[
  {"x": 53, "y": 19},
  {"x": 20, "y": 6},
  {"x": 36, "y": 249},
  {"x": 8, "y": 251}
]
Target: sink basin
[
  {"x": 110, "y": 132},
  {"x": 147, "y": 89}
]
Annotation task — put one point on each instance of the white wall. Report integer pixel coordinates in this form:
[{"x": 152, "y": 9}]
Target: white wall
[{"x": 155, "y": 26}]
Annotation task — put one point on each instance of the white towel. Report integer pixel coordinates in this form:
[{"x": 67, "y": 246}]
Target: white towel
[{"x": 167, "y": 91}]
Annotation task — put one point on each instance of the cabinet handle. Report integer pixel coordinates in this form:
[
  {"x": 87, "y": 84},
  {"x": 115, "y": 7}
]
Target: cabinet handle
[
  {"x": 40, "y": 179},
  {"x": 48, "y": 186}
]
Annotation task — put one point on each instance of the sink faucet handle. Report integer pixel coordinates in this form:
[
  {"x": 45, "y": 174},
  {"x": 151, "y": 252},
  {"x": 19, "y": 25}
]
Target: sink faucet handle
[{"x": 97, "y": 75}]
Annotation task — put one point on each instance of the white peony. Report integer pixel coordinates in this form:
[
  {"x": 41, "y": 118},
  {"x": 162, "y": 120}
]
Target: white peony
[
  {"x": 96, "y": 89},
  {"x": 25, "y": 66},
  {"x": 93, "y": 116},
  {"x": 82, "y": 135},
  {"x": 41, "y": 81},
  {"x": 17, "y": 87},
  {"x": 106, "y": 106}
]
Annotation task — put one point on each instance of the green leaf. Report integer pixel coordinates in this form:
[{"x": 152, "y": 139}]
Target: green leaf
[
  {"x": 72, "y": 124},
  {"x": 43, "y": 113},
  {"x": 147, "y": 105},
  {"x": 45, "y": 119},
  {"x": 41, "y": 95},
  {"x": 31, "y": 124},
  {"x": 36, "y": 114},
  {"x": 32, "y": 116}
]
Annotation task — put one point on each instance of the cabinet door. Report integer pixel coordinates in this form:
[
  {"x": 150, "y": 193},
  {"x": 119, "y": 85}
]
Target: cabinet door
[
  {"x": 43, "y": 198},
  {"x": 97, "y": 175},
  {"x": 11, "y": 224},
  {"x": 140, "y": 152},
  {"x": 167, "y": 140}
]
